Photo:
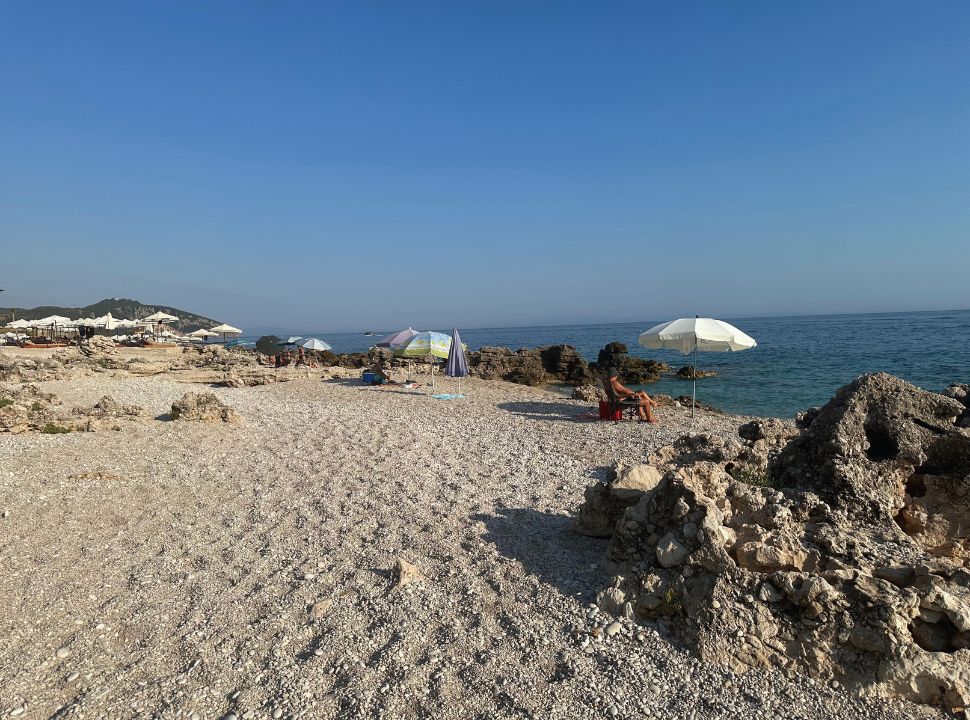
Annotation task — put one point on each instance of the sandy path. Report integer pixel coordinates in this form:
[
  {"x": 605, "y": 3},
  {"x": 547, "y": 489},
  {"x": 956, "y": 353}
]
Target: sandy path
[{"x": 175, "y": 564}]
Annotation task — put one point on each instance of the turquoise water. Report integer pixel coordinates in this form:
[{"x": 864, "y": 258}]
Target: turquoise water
[{"x": 799, "y": 361}]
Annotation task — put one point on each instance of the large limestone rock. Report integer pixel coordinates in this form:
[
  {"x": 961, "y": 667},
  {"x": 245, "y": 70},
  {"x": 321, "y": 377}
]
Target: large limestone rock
[
  {"x": 553, "y": 363},
  {"x": 837, "y": 552},
  {"x": 204, "y": 407},
  {"x": 632, "y": 369}
]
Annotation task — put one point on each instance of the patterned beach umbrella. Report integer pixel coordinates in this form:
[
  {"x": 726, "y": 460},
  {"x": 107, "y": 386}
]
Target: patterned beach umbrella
[
  {"x": 397, "y": 339},
  {"x": 456, "y": 366},
  {"x": 425, "y": 344}
]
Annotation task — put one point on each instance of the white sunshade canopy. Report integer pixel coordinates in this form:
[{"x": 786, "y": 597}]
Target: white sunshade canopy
[
  {"x": 51, "y": 320},
  {"x": 203, "y": 333},
  {"x": 226, "y": 330},
  {"x": 700, "y": 334},
  {"x": 160, "y": 317},
  {"x": 19, "y": 324},
  {"x": 314, "y": 344}
]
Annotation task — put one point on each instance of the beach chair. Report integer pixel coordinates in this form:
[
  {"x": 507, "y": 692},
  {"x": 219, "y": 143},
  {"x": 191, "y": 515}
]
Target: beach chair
[{"x": 616, "y": 406}]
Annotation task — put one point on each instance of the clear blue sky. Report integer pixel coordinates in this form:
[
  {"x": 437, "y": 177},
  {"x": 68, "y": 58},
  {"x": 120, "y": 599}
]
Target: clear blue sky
[{"x": 354, "y": 165}]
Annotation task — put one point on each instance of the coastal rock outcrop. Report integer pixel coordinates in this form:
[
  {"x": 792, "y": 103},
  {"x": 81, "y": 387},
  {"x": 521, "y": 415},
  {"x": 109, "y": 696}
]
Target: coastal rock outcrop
[
  {"x": 838, "y": 551},
  {"x": 552, "y": 363},
  {"x": 204, "y": 407},
  {"x": 688, "y": 372},
  {"x": 634, "y": 370},
  {"x": 588, "y": 393}
]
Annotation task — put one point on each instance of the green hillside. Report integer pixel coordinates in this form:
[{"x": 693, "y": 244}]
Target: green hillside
[{"x": 118, "y": 307}]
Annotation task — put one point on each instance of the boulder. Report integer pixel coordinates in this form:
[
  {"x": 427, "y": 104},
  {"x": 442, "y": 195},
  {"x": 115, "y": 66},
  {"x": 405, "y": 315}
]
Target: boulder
[
  {"x": 588, "y": 393},
  {"x": 551, "y": 363},
  {"x": 633, "y": 370},
  {"x": 688, "y": 372},
  {"x": 204, "y": 407}
]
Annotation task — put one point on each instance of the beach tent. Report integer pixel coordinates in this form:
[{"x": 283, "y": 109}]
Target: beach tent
[
  {"x": 314, "y": 344},
  {"x": 696, "y": 334},
  {"x": 457, "y": 365}
]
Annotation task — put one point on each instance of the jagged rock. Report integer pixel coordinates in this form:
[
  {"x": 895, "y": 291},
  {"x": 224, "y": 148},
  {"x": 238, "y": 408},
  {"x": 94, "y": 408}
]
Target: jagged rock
[
  {"x": 588, "y": 393},
  {"x": 108, "y": 407},
  {"x": 552, "y": 363},
  {"x": 205, "y": 407},
  {"x": 405, "y": 574},
  {"x": 633, "y": 370},
  {"x": 688, "y": 372},
  {"x": 29, "y": 409},
  {"x": 606, "y": 502},
  {"x": 98, "y": 346},
  {"x": 837, "y": 551}
]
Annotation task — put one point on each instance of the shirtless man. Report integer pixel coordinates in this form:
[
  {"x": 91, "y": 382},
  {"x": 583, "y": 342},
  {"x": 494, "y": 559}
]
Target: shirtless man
[{"x": 646, "y": 403}]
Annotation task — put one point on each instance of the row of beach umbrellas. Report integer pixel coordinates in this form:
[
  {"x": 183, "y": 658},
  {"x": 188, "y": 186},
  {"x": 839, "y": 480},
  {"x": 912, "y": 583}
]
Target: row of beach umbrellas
[{"x": 106, "y": 321}]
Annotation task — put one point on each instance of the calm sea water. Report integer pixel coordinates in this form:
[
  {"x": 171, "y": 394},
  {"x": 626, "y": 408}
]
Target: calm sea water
[{"x": 799, "y": 361}]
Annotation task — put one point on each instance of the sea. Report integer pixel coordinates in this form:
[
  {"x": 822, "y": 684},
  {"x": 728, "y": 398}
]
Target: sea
[{"x": 799, "y": 361}]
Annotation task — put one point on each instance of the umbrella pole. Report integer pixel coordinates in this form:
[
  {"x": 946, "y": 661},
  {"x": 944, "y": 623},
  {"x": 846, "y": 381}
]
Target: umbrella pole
[{"x": 693, "y": 402}]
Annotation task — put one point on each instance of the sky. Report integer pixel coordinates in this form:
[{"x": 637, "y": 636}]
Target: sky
[{"x": 373, "y": 165}]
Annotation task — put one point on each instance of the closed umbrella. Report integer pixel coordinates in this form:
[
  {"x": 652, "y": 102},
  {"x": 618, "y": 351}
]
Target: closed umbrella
[
  {"x": 456, "y": 366},
  {"x": 314, "y": 344},
  {"x": 692, "y": 334}
]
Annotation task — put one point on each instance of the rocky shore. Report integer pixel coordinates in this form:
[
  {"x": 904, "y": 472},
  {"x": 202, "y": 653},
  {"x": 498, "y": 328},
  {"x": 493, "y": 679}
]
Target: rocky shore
[{"x": 229, "y": 541}]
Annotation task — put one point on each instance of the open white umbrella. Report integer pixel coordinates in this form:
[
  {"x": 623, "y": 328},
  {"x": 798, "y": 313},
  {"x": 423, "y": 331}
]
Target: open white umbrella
[
  {"x": 692, "y": 334},
  {"x": 203, "y": 333},
  {"x": 160, "y": 317},
  {"x": 314, "y": 344},
  {"x": 225, "y": 330}
]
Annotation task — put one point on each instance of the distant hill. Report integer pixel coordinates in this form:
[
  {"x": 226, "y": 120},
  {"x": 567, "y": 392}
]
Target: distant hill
[{"x": 118, "y": 307}]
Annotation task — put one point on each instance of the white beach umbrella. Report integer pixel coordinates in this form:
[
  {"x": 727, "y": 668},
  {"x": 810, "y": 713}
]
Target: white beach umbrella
[
  {"x": 225, "y": 330},
  {"x": 692, "y": 334},
  {"x": 160, "y": 317},
  {"x": 19, "y": 324},
  {"x": 314, "y": 344}
]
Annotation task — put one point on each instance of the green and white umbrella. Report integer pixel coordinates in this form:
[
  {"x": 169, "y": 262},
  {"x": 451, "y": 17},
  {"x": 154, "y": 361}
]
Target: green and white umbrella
[{"x": 426, "y": 345}]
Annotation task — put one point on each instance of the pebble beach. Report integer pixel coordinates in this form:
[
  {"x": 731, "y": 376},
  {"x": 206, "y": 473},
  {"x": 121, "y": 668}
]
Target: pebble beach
[{"x": 342, "y": 552}]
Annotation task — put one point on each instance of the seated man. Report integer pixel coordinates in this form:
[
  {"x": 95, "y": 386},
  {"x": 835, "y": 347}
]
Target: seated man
[
  {"x": 381, "y": 375},
  {"x": 645, "y": 404}
]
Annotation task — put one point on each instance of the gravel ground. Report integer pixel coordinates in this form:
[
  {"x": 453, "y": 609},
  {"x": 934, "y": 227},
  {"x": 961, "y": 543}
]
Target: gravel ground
[{"x": 184, "y": 570}]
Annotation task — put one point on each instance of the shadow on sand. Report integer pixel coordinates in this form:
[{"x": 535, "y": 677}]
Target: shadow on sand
[
  {"x": 550, "y": 411},
  {"x": 548, "y": 548}
]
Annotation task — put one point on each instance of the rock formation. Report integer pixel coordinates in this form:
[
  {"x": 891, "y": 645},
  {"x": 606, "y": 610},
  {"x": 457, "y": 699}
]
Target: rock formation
[
  {"x": 689, "y": 372},
  {"x": 840, "y": 551},
  {"x": 632, "y": 369},
  {"x": 552, "y": 363},
  {"x": 204, "y": 407}
]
